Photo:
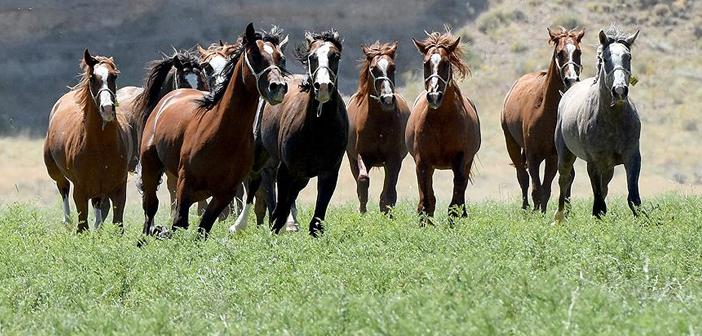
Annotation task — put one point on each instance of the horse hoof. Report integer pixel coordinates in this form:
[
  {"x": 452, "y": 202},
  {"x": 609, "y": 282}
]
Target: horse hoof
[
  {"x": 292, "y": 227},
  {"x": 559, "y": 217},
  {"x": 316, "y": 228},
  {"x": 161, "y": 233}
]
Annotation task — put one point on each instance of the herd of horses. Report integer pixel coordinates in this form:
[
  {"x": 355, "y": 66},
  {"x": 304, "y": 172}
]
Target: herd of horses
[{"x": 233, "y": 124}]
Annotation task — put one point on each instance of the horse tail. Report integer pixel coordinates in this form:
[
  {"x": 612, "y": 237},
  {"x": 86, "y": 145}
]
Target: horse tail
[{"x": 153, "y": 92}]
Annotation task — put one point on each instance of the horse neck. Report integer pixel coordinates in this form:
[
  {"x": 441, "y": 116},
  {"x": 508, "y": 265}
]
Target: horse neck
[
  {"x": 329, "y": 108},
  {"x": 554, "y": 84},
  {"x": 451, "y": 94},
  {"x": 238, "y": 105}
]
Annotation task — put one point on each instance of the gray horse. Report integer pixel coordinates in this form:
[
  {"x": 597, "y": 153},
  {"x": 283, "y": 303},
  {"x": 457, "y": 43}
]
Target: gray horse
[{"x": 599, "y": 124}]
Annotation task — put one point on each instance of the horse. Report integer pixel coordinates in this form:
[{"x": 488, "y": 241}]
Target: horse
[
  {"x": 377, "y": 117},
  {"x": 598, "y": 122},
  {"x": 212, "y": 61},
  {"x": 443, "y": 131},
  {"x": 306, "y": 135},
  {"x": 529, "y": 116},
  {"x": 180, "y": 70},
  {"x": 88, "y": 144},
  {"x": 206, "y": 139}
]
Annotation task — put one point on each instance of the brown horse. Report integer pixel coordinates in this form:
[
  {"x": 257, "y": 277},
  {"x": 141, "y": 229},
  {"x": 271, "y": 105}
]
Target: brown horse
[
  {"x": 529, "y": 116},
  {"x": 377, "y": 118},
  {"x": 206, "y": 140},
  {"x": 89, "y": 145},
  {"x": 443, "y": 131}
]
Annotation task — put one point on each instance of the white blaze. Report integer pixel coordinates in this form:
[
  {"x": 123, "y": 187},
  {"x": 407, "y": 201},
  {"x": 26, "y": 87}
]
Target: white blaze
[
  {"x": 267, "y": 48},
  {"x": 322, "y": 53},
  {"x": 435, "y": 61},
  {"x": 383, "y": 66},
  {"x": 570, "y": 48},
  {"x": 105, "y": 97},
  {"x": 218, "y": 63}
]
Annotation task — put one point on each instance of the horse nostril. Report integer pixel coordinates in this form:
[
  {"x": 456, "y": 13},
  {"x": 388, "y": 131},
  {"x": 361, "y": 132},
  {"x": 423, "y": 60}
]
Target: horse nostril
[
  {"x": 316, "y": 86},
  {"x": 272, "y": 87}
]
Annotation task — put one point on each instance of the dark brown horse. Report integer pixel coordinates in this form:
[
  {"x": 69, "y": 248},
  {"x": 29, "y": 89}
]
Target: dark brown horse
[
  {"x": 306, "y": 135},
  {"x": 443, "y": 131},
  {"x": 89, "y": 145},
  {"x": 206, "y": 140},
  {"x": 377, "y": 118},
  {"x": 529, "y": 116}
]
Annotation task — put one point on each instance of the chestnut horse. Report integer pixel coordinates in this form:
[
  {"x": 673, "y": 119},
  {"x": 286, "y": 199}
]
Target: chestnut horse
[
  {"x": 306, "y": 135},
  {"x": 206, "y": 140},
  {"x": 212, "y": 61},
  {"x": 529, "y": 116},
  {"x": 89, "y": 145},
  {"x": 377, "y": 118},
  {"x": 443, "y": 131}
]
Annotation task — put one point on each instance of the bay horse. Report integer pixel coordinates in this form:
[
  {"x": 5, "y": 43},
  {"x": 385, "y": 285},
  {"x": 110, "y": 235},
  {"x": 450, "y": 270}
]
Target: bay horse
[
  {"x": 443, "y": 131},
  {"x": 597, "y": 122},
  {"x": 206, "y": 139},
  {"x": 306, "y": 135},
  {"x": 529, "y": 116},
  {"x": 377, "y": 118},
  {"x": 88, "y": 144}
]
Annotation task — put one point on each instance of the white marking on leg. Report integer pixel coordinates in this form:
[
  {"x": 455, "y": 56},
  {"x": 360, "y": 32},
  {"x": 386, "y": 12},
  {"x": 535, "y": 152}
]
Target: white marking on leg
[
  {"x": 66, "y": 210},
  {"x": 291, "y": 225},
  {"x": 242, "y": 220}
]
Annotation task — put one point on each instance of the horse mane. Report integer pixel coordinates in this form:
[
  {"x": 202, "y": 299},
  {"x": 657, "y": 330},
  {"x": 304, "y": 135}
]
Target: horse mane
[
  {"x": 562, "y": 34},
  {"x": 445, "y": 40},
  {"x": 373, "y": 50},
  {"x": 302, "y": 50},
  {"x": 82, "y": 89},
  {"x": 208, "y": 101},
  {"x": 225, "y": 50},
  {"x": 157, "y": 74}
]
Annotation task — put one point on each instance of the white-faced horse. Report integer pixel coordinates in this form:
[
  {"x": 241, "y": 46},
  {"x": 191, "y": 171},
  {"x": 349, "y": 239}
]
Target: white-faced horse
[{"x": 598, "y": 123}]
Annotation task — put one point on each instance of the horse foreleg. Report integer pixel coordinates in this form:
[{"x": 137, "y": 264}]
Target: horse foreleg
[
  {"x": 519, "y": 162},
  {"x": 460, "y": 182},
  {"x": 119, "y": 199},
  {"x": 427, "y": 200},
  {"x": 183, "y": 203},
  {"x": 172, "y": 185},
  {"x": 534, "y": 167},
  {"x": 214, "y": 208},
  {"x": 388, "y": 197},
  {"x": 82, "y": 208},
  {"x": 151, "y": 172},
  {"x": 549, "y": 174},
  {"x": 254, "y": 181},
  {"x": 566, "y": 175},
  {"x": 599, "y": 207},
  {"x": 362, "y": 184},
  {"x": 288, "y": 189},
  {"x": 632, "y": 166},
  {"x": 326, "y": 184}
]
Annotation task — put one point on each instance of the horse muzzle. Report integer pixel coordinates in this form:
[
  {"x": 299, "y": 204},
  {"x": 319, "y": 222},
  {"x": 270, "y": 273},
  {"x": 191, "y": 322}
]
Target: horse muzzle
[
  {"x": 620, "y": 94},
  {"x": 434, "y": 99},
  {"x": 322, "y": 92},
  {"x": 276, "y": 92},
  {"x": 108, "y": 113},
  {"x": 387, "y": 102},
  {"x": 570, "y": 81}
]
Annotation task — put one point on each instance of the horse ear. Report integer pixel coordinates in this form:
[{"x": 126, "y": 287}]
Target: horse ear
[
  {"x": 250, "y": 35},
  {"x": 630, "y": 40},
  {"x": 221, "y": 43},
  {"x": 393, "y": 49},
  {"x": 88, "y": 59},
  {"x": 364, "y": 49},
  {"x": 454, "y": 44},
  {"x": 284, "y": 43},
  {"x": 176, "y": 62},
  {"x": 551, "y": 35},
  {"x": 604, "y": 40},
  {"x": 420, "y": 46},
  {"x": 309, "y": 37},
  {"x": 579, "y": 35},
  {"x": 201, "y": 50}
]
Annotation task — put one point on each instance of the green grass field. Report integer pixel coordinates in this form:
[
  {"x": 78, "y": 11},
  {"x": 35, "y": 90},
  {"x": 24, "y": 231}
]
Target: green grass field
[{"x": 502, "y": 271}]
